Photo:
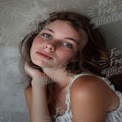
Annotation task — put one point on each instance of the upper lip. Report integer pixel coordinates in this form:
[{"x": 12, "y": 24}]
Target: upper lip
[{"x": 45, "y": 54}]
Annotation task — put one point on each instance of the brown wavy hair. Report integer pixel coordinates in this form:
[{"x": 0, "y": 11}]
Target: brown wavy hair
[{"x": 89, "y": 56}]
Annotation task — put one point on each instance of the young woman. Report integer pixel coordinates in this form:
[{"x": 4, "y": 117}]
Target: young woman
[{"x": 62, "y": 59}]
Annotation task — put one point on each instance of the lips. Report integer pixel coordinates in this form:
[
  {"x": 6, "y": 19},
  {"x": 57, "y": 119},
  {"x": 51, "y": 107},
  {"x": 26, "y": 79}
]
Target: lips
[{"x": 44, "y": 55}]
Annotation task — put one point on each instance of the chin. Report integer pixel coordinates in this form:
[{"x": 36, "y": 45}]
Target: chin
[{"x": 38, "y": 63}]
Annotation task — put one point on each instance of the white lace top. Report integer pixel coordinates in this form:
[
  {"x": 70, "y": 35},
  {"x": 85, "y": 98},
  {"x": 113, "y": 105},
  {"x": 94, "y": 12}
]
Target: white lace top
[{"x": 113, "y": 116}]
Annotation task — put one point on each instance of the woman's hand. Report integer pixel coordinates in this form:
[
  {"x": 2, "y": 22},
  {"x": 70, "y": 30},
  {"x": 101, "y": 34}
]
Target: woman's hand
[
  {"x": 37, "y": 77},
  {"x": 39, "y": 104}
]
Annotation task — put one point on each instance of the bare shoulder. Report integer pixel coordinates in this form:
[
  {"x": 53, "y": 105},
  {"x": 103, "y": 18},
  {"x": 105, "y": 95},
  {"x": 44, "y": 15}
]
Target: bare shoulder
[
  {"x": 94, "y": 87},
  {"x": 94, "y": 97},
  {"x": 87, "y": 93},
  {"x": 89, "y": 84}
]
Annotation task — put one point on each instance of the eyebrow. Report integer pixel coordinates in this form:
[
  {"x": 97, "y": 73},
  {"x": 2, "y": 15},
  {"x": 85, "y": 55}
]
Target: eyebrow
[
  {"x": 69, "y": 38},
  {"x": 72, "y": 40},
  {"x": 49, "y": 30}
]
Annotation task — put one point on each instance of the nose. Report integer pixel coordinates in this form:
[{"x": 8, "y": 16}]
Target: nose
[{"x": 49, "y": 47}]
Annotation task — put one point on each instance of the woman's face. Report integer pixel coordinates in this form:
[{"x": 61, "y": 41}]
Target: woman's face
[{"x": 55, "y": 46}]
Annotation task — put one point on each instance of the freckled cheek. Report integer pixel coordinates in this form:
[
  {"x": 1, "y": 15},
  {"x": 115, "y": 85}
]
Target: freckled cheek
[
  {"x": 66, "y": 55},
  {"x": 35, "y": 45},
  {"x": 37, "y": 41}
]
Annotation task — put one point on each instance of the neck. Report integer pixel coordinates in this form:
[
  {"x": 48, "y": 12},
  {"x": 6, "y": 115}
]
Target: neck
[{"x": 59, "y": 76}]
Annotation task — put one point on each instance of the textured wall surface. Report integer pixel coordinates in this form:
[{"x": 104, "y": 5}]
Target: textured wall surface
[{"x": 15, "y": 18}]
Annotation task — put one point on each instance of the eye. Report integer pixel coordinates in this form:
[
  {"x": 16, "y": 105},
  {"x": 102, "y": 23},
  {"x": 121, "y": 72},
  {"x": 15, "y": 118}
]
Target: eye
[
  {"x": 46, "y": 35},
  {"x": 69, "y": 45}
]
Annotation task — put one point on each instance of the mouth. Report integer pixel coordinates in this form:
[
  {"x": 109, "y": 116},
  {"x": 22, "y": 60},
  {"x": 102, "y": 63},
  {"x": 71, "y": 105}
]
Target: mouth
[{"x": 44, "y": 55}]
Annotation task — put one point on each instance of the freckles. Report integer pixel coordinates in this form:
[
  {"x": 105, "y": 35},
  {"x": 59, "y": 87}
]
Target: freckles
[
  {"x": 68, "y": 53},
  {"x": 37, "y": 41}
]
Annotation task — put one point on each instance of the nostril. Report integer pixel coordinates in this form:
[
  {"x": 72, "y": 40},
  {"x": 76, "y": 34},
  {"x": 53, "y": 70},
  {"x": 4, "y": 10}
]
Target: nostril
[
  {"x": 46, "y": 46},
  {"x": 50, "y": 47}
]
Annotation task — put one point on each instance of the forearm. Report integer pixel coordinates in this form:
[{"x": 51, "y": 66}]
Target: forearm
[{"x": 39, "y": 111}]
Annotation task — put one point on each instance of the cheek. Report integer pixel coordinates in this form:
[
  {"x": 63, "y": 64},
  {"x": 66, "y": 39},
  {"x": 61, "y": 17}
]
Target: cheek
[
  {"x": 36, "y": 41},
  {"x": 66, "y": 55},
  {"x": 34, "y": 45}
]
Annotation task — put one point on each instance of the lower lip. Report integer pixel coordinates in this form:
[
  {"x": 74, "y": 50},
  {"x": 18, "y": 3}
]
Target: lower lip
[{"x": 44, "y": 56}]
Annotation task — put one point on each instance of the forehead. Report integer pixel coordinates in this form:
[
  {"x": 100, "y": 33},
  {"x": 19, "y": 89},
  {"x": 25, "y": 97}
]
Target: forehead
[
  {"x": 62, "y": 26},
  {"x": 56, "y": 22}
]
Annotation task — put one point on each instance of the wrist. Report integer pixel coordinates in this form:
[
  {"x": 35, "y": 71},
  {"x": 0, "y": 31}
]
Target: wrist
[{"x": 38, "y": 82}]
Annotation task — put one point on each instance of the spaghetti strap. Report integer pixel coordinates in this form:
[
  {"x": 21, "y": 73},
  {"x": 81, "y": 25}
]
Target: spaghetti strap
[{"x": 112, "y": 116}]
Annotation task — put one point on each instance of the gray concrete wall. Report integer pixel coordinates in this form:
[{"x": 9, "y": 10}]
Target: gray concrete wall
[{"x": 16, "y": 15}]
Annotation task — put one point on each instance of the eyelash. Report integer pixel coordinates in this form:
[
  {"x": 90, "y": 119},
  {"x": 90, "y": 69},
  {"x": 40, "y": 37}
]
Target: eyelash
[
  {"x": 69, "y": 45},
  {"x": 66, "y": 44},
  {"x": 45, "y": 34}
]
